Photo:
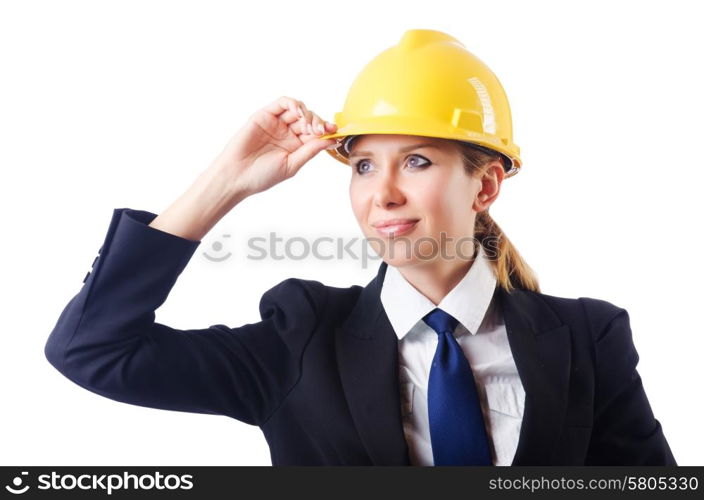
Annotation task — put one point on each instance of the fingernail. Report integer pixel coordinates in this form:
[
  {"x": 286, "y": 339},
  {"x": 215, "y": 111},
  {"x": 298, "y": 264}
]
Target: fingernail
[{"x": 321, "y": 129}]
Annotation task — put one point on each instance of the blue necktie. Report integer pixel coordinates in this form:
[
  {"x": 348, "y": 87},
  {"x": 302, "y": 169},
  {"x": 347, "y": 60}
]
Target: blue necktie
[{"x": 457, "y": 432}]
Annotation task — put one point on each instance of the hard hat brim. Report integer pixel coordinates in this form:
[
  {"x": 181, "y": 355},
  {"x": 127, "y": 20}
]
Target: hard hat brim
[{"x": 424, "y": 127}]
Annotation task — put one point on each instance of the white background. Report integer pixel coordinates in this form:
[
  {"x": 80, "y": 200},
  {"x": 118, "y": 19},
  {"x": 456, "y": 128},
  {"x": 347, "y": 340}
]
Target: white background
[{"x": 108, "y": 105}]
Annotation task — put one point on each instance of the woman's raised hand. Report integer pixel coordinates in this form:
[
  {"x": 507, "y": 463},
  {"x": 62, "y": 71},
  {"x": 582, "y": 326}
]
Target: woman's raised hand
[{"x": 274, "y": 144}]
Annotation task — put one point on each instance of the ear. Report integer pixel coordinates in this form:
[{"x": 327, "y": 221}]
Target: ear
[{"x": 491, "y": 181}]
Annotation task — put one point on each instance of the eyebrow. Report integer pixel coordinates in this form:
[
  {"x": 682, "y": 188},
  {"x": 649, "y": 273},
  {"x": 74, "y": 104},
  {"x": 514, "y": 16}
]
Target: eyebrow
[{"x": 401, "y": 150}]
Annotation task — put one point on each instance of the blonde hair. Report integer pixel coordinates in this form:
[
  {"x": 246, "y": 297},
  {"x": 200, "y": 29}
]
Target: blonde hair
[{"x": 509, "y": 267}]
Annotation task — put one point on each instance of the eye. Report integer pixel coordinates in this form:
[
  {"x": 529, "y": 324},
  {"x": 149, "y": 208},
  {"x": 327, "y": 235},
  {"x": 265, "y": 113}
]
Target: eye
[
  {"x": 358, "y": 164},
  {"x": 415, "y": 164},
  {"x": 413, "y": 161}
]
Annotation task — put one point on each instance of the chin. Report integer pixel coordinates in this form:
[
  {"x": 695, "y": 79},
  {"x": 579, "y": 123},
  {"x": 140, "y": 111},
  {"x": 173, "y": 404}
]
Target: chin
[{"x": 400, "y": 261}]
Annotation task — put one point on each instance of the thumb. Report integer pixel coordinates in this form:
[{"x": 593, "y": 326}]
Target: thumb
[{"x": 307, "y": 151}]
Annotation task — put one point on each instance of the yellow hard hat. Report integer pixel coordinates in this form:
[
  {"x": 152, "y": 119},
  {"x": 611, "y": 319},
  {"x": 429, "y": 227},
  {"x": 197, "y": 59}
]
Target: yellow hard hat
[{"x": 429, "y": 85}]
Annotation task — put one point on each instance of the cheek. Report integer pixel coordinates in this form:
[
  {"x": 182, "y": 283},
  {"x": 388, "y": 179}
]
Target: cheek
[
  {"x": 432, "y": 191},
  {"x": 433, "y": 204},
  {"x": 446, "y": 210},
  {"x": 358, "y": 202}
]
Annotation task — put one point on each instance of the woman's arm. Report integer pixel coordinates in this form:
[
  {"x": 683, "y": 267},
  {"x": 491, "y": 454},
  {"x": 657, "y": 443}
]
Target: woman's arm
[
  {"x": 106, "y": 339},
  {"x": 202, "y": 206},
  {"x": 625, "y": 430},
  {"x": 271, "y": 147}
]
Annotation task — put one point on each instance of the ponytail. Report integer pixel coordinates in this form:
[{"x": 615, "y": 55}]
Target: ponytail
[{"x": 509, "y": 267}]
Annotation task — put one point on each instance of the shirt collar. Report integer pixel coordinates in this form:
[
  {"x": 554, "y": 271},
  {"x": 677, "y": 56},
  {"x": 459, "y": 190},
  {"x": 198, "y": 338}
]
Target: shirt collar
[{"x": 468, "y": 301}]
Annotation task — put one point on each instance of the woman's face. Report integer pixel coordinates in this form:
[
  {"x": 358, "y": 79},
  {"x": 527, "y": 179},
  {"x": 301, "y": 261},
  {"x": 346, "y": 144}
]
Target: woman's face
[{"x": 420, "y": 180}]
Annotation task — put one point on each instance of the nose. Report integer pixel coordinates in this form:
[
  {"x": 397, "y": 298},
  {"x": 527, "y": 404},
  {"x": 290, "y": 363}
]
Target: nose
[{"x": 387, "y": 192}]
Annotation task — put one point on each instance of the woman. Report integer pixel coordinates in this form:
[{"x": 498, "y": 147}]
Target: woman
[{"x": 449, "y": 356}]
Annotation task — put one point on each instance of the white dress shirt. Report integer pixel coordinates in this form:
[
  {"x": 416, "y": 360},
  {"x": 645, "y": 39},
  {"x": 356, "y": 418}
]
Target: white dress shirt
[{"x": 481, "y": 334}]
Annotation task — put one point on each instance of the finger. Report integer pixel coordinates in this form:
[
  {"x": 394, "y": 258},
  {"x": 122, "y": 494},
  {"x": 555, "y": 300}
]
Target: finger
[
  {"x": 282, "y": 104},
  {"x": 314, "y": 124},
  {"x": 322, "y": 127},
  {"x": 317, "y": 124},
  {"x": 328, "y": 127},
  {"x": 290, "y": 111},
  {"x": 299, "y": 126},
  {"x": 308, "y": 116},
  {"x": 304, "y": 128},
  {"x": 307, "y": 151},
  {"x": 289, "y": 117}
]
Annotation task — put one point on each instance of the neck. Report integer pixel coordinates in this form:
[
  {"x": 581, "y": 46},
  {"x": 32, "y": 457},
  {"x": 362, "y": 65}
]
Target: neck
[{"x": 436, "y": 279}]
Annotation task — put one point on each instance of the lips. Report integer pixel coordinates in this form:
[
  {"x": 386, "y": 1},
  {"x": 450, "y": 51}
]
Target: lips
[
  {"x": 395, "y": 227},
  {"x": 393, "y": 222}
]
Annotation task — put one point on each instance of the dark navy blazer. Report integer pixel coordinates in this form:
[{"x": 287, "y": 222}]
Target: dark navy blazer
[{"x": 319, "y": 373}]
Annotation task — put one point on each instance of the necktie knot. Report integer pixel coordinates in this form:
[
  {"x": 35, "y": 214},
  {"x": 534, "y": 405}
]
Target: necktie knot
[{"x": 440, "y": 321}]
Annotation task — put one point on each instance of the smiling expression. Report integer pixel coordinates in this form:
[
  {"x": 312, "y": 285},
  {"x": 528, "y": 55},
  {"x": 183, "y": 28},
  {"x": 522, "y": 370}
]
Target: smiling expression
[{"x": 411, "y": 178}]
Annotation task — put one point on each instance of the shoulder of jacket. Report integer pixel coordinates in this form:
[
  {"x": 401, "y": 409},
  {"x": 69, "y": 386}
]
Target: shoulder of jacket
[
  {"x": 310, "y": 294},
  {"x": 296, "y": 288},
  {"x": 591, "y": 305},
  {"x": 597, "y": 313}
]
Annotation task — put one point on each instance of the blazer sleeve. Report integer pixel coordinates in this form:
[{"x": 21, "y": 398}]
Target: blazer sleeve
[
  {"x": 106, "y": 339},
  {"x": 625, "y": 430}
]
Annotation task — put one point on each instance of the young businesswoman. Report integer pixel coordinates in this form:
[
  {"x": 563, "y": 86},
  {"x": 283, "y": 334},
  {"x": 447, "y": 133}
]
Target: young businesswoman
[{"x": 451, "y": 355}]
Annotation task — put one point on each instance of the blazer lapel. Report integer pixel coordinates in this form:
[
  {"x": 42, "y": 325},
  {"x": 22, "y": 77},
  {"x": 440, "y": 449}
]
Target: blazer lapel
[
  {"x": 540, "y": 344},
  {"x": 367, "y": 354}
]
